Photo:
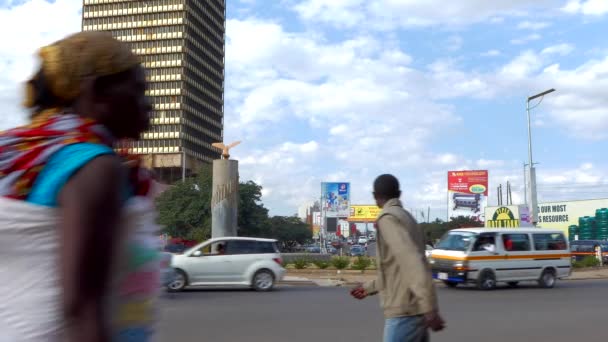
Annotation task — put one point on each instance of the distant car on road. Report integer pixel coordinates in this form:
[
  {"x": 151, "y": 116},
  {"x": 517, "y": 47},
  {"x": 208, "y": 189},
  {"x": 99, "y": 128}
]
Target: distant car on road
[
  {"x": 229, "y": 261},
  {"x": 584, "y": 248},
  {"x": 362, "y": 240},
  {"x": 357, "y": 250},
  {"x": 331, "y": 250},
  {"x": 313, "y": 249}
]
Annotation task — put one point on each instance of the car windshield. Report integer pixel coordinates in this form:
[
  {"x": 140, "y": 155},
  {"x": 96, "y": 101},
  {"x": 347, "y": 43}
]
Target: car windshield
[{"x": 456, "y": 241}]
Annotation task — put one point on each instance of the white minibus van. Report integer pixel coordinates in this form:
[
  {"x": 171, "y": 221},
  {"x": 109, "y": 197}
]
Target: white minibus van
[{"x": 487, "y": 256}]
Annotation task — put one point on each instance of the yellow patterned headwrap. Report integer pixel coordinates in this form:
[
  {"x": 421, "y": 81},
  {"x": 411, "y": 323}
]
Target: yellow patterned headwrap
[{"x": 67, "y": 62}]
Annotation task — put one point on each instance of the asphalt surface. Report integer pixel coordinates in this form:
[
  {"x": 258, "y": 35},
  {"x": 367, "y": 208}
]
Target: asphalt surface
[{"x": 573, "y": 311}]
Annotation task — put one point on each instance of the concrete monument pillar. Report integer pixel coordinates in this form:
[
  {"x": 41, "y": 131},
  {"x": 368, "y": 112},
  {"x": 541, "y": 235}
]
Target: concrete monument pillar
[{"x": 225, "y": 197}]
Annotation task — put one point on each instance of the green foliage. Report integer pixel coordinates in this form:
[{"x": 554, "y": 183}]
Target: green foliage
[
  {"x": 588, "y": 261},
  {"x": 340, "y": 263},
  {"x": 362, "y": 263},
  {"x": 185, "y": 208},
  {"x": 321, "y": 264},
  {"x": 252, "y": 214},
  {"x": 289, "y": 230},
  {"x": 300, "y": 264},
  {"x": 185, "y": 211},
  {"x": 435, "y": 230}
]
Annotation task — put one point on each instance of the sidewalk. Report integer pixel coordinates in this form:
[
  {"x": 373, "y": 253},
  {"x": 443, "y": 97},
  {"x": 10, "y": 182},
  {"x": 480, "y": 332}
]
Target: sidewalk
[
  {"x": 316, "y": 277},
  {"x": 590, "y": 273}
]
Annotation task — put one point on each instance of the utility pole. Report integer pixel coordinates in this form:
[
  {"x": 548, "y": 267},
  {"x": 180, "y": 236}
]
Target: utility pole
[
  {"x": 532, "y": 170},
  {"x": 525, "y": 186}
]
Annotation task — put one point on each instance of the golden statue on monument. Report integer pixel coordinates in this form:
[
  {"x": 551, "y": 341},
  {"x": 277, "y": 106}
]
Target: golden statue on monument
[{"x": 225, "y": 148}]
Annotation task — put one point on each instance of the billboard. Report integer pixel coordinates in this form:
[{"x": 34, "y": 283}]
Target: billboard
[
  {"x": 507, "y": 216},
  {"x": 561, "y": 215},
  {"x": 316, "y": 223},
  {"x": 335, "y": 198},
  {"x": 467, "y": 193},
  {"x": 363, "y": 213}
]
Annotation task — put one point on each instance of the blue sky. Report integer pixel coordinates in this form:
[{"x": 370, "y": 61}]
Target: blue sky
[{"x": 348, "y": 89}]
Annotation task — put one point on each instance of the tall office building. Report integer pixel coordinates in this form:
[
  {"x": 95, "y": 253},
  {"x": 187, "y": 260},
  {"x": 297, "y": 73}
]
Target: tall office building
[{"x": 181, "y": 44}]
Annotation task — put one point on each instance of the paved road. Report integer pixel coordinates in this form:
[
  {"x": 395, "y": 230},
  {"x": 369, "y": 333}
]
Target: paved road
[
  {"x": 573, "y": 311},
  {"x": 371, "y": 249}
]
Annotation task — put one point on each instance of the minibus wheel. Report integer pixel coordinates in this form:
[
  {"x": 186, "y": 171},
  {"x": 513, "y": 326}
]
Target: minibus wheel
[
  {"x": 547, "y": 279},
  {"x": 486, "y": 280}
]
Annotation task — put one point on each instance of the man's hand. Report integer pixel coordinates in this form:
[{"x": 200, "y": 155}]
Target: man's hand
[
  {"x": 359, "y": 292},
  {"x": 434, "y": 321}
]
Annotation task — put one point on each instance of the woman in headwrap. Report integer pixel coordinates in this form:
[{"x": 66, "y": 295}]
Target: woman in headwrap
[{"x": 78, "y": 255}]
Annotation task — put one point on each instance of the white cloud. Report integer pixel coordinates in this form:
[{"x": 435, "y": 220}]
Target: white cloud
[
  {"x": 373, "y": 111},
  {"x": 526, "y": 39},
  {"x": 561, "y": 49},
  {"x": 385, "y": 14},
  {"x": 447, "y": 159},
  {"x": 342, "y": 12},
  {"x": 522, "y": 66},
  {"x": 486, "y": 163},
  {"x": 27, "y": 26},
  {"x": 587, "y": 7},
  {"x": 529, "y": 25}
]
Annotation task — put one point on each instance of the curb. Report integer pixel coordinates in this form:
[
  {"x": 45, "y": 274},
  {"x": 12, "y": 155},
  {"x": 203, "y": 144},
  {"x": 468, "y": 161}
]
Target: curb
[
  {"x": 298, "y": 283},
  {"x": 587, "y": 278}
]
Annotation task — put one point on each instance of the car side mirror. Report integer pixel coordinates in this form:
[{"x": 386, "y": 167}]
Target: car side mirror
[{"x": 197, "y": 254}]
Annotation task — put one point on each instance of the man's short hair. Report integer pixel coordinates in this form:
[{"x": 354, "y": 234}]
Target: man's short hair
[{"x": 387, "y": 187}]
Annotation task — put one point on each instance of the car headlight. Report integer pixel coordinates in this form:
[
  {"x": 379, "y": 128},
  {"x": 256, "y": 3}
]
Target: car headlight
[
  {"x": 461, "y": 266},
  {"x": 431, "y": 261}
]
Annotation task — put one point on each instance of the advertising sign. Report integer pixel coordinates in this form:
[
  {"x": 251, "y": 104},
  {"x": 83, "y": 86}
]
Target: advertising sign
[
  {"x": 561, "y": 215},
  {"x": 316, "y": 223},
  {"x": 467, "y": 193},
  {"x": 507, "y": 216},
  {"x": 336, "y": 199},
  {"x": 363, "y": 213}
]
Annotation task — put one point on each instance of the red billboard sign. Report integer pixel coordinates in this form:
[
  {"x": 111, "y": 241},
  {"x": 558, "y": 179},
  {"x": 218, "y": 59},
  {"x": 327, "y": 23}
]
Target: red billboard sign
[{"x": 467, "y": 193}]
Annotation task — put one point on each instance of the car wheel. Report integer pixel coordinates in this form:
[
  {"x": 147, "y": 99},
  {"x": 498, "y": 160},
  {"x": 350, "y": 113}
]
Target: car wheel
[
  {"x": 486, "y": 281},
  {"x": 547, "y": 279},
  {"x": 263, "y": 281},
  {"x": 179, "y": 282},
  {"x": 450, "y": 284},
  {"x": 513, "y": 283}
]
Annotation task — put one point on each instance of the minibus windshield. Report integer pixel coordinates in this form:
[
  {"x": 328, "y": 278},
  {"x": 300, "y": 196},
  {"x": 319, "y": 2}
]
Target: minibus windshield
[{"x": 456, "y": 241}]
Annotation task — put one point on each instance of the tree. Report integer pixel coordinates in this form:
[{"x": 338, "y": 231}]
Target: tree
[
  {"x": 185, "y": 208},
  {"x": 252, "y": 214},
  {"x": 435, "y": 230},
  {"x": 463, "y": 222},
  {"x": 288, "y": 230},
  {"x": 185, "y": 211}
]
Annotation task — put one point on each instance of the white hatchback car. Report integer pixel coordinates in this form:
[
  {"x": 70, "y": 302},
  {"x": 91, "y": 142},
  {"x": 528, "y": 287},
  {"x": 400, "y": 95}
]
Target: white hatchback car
[{"x": 229, "y": 261}]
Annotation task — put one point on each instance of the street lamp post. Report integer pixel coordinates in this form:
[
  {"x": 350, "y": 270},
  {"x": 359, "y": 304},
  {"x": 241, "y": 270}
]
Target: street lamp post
[
  {"x": 525, "y": 185},
  {"x": 533, "y": 201}
]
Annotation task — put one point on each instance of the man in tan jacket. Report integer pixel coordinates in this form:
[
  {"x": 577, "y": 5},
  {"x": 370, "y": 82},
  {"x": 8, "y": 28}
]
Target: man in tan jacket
[{"x": 404, "y": 280}]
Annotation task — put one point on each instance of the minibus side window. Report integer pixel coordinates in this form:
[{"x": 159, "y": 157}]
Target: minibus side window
[
  {"x": 549, "y": 242},
  {"x": 487, "y": 240},
  {"x": 516, "y": 242}
]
